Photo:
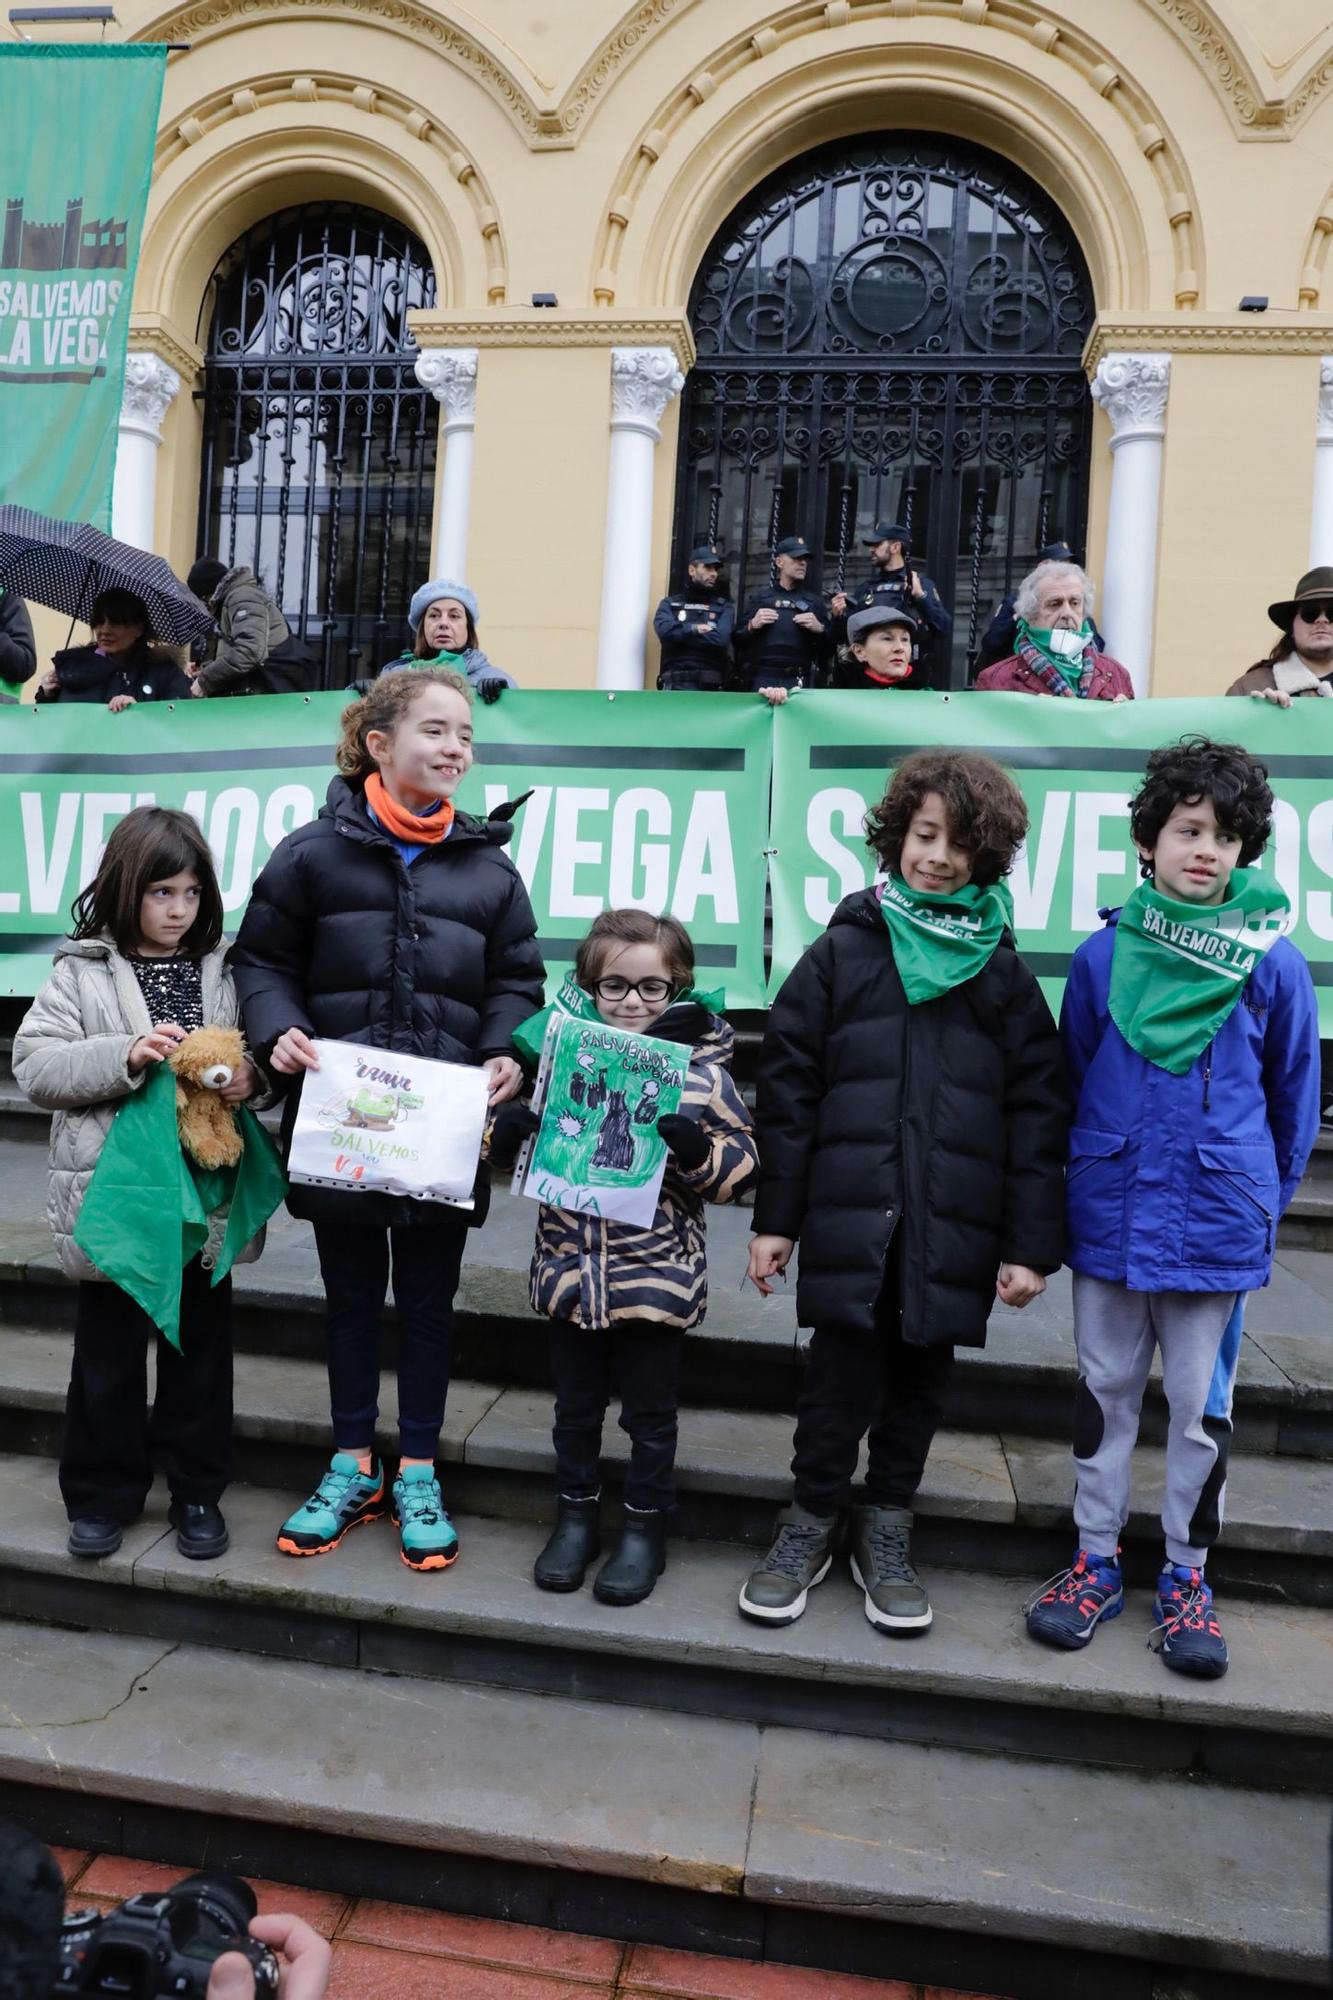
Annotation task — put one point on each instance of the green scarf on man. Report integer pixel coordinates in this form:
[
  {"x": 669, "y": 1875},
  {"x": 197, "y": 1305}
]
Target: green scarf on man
[{"x": 1178, "y": 969}]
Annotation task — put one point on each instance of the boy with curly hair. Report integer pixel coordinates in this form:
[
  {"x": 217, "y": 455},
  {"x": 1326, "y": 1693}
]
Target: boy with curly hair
[
  {"x": 1191, "y": 1036},
  {"x": 911, "y": 1125}
]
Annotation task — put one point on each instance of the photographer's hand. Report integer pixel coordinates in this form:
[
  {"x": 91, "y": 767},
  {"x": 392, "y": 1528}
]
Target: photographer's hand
[{"x": 303, "y": 1956}]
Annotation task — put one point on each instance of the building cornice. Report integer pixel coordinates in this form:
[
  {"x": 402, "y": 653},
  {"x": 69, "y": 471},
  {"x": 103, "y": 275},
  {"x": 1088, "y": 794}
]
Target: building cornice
[
  {"x": 150, "y": 333},
  {"x": 1209, "y": 333},
  {"x": 543, "y": 326}
]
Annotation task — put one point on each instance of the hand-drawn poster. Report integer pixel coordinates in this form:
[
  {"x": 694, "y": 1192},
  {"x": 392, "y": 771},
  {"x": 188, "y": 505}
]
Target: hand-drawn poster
[
  {"x": 602, "y": 1091},
  {"x": 371, "y": 1119}
]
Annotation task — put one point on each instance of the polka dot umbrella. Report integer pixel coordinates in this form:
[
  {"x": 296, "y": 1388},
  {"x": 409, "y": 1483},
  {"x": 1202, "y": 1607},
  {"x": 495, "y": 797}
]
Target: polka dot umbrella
[{"x": 66, "y": 564}]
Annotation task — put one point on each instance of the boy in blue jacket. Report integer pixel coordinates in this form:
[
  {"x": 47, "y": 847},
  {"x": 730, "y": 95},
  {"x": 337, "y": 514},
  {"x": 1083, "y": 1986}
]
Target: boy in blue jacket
[{"x": 1191, "y": 1036}]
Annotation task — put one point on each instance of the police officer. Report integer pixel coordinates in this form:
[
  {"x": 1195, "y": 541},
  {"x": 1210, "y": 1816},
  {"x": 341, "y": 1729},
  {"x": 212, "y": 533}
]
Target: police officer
[
  {"x": 880, "y": 644},
  {"x": 695, "y": 628},
  {"x": 783, "y": 633},
  {"x": 894, "y": 580}
]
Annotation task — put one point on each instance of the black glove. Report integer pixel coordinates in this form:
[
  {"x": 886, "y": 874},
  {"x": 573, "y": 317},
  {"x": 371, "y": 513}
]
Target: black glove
[
  {"x": 491, "y": 688},
  {"x": 686, "y": 1141},
  {"x": 686, "y": 1022},
  {"x": 513, "y": 1123}
]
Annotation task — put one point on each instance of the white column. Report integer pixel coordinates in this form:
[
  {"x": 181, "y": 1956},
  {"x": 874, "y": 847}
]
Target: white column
[
  {"x": 1321, "y": 514},
  {"x": 1132, "y": 389},
  {"x": 643, "y": 381},
  {"x": 450, "y": 373},
  {"x": 151, "y": 387}
]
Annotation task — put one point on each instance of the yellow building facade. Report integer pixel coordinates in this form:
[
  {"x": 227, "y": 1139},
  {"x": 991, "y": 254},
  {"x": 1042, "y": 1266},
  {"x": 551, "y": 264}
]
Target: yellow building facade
[{"x": 599, "y": 156}]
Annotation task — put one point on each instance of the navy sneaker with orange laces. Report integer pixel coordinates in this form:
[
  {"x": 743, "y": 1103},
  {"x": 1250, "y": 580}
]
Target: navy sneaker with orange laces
[
  {"x": 1067, "y": 1610},
  {"x": 1188, "y": 1636}
]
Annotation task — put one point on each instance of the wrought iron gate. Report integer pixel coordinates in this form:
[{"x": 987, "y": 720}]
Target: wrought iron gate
[
  {"x": 890, "y": 328},
  {"x": 319, "y": 444}
]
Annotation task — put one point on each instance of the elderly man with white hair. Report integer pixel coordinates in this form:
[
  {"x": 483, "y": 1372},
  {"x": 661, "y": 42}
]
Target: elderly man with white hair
[{"x": 1055, "y": 651}]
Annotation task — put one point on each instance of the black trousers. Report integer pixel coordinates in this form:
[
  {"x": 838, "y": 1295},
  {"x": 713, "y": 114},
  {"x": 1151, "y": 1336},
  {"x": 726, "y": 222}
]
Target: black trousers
[
  {"x": 642, "y": 1359},
  {"x": 111, "y": 1443},
  {"x": 354, "y": 1262},
  {"x": 853, "y": 1381}
]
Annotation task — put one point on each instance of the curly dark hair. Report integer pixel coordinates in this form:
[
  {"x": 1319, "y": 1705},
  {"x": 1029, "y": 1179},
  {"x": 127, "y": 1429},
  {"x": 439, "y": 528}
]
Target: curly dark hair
[
  {"x": 1195, "y": 768},
  {"x": 986, "y": 811}
]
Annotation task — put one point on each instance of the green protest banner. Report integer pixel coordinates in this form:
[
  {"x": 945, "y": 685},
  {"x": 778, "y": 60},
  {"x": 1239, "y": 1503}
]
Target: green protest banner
[
  {"x": 1078, "y": 765},
  {"x": 76, "y": 153},
  {"x": 603, "y": 1089},
  {"x": 634, "y": 800}
]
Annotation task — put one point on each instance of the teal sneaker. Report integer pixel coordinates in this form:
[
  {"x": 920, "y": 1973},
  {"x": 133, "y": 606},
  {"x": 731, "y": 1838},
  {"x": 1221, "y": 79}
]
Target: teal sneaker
[
  {"x": 425, "y": 1531},
  {"x": 344, "y": 1497}
]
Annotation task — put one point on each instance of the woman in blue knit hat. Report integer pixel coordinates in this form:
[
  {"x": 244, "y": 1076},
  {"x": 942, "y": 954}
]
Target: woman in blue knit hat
[{"x": 443, "y": 617}]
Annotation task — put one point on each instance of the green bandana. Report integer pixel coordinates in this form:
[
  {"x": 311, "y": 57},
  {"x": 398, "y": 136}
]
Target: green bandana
[
  {"x": 1178, "y": 970},
  {"x": 441, "y": 659},
  {"x": 529, "y": 1035},
  {"x": 940, "y": 941},
  {"x": 147, "y": 1208}
]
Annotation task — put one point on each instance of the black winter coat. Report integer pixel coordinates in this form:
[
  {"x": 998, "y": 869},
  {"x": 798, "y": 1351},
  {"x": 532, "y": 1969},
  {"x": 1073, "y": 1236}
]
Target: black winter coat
[
  {"x": 147, "y": 675},
  {"x": 344, "y": 940},
  {"x": 18, "y": 648},
  {"x": 944, "y": 1122}
]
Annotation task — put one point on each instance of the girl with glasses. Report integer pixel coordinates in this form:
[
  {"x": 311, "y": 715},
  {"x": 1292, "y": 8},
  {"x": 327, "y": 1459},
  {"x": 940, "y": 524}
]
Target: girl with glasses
[{"x": 620, "y": 1298}]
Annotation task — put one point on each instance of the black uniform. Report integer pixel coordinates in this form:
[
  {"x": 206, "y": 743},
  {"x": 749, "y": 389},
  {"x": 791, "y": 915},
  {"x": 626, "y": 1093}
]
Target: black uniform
[
  {"x": 892, "y": 587},
  {"x": 784, "y": 654},
  {"x": 694, "y": 660}
]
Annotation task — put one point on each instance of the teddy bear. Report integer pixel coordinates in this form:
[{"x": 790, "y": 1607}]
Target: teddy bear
[{"x": 204, "y": 1063}]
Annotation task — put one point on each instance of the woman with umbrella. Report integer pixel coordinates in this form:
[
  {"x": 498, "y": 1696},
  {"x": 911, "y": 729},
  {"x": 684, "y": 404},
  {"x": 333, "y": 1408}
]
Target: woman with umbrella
[{"x": 121, "y": 666}]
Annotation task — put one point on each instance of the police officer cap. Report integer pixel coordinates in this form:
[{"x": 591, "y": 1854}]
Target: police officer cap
[
  {"x": 706, "y": 553},
  {"x": 1056, "y": 552},
  {"x": 792, "y": 545},
  {"x": 862, "y": 622},
  {"x": 887, "y": 531}
]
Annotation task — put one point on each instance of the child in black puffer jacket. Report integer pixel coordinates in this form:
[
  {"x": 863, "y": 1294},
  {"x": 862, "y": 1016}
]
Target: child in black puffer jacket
[{"x": 394, "y": 921}]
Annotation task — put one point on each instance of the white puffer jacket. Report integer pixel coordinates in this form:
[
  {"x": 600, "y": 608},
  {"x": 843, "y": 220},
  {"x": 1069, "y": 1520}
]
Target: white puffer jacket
[{"x": 71, "y": 1056}]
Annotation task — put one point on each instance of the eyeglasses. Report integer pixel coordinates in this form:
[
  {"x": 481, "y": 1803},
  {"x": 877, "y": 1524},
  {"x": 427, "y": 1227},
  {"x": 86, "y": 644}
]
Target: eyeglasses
[
  {"x": 616, "y": 988},
  {"x": 1311, "y": 608}
]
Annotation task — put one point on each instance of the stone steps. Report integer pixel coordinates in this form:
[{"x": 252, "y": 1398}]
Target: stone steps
[
  {"x": 975, "y": 1682},
  {"x": 753, "y": 1832},
  {"x": 748, "y": 1352},
  {"x": 991, "y": 1500}
]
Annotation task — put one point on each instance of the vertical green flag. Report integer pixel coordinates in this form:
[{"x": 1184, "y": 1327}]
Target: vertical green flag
[{"x": 76, "y": 155}]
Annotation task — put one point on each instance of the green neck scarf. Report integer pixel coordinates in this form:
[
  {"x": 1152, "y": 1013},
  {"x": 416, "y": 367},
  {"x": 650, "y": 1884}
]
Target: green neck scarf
[
  {"x": 1069, "y": 669},
  {"x": 572, "y": 999},
  {"x": 149, "y": 1208},
  {"x": 440, "y": 659},
  {"x": 940, "y": 941},
  {"x": 1178, "y": 970}
]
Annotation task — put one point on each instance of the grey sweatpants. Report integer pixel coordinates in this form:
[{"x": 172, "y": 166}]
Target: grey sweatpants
[{"x": 1115, "y": 1331}]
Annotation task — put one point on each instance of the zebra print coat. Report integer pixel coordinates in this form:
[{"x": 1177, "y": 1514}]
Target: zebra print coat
[{"x": 597, "y": 1273}]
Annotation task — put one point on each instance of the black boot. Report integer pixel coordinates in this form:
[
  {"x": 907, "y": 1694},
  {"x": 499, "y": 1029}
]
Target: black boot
[
  {"x": 201, "y": 1531},
  {"x": 638, "y": 1559},
  {"x": 577, "y": 1541}
]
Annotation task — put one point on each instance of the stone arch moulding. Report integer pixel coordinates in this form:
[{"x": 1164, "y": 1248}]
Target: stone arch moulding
[
  {"x": 468, "y": 49},
  {"x": 229, "y": 179},
  {"x": 281, "y": 93},
  {"x": 1310, "y": 285},
  {"x": 1257, "y": 109},
  {"x": 1138, "y": 228}
]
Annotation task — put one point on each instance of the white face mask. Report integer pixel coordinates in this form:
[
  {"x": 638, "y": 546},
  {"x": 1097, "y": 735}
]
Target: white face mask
[{"x": 1067, "y": 644}]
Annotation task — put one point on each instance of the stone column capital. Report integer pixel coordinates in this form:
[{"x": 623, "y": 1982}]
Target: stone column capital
[
  {"x": 151, "y": 387},
  {"x": 450, "y": 373},
  {"x": 1132, "y": 389},
  {"x": 1324, "y": 430},
  {"x": 643, "y": 381}
]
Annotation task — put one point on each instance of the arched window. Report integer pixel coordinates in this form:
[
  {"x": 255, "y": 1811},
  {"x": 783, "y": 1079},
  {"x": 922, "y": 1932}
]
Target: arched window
[
  {"x": 319, "y": 444},
  {"x": 891, "y": 328}
]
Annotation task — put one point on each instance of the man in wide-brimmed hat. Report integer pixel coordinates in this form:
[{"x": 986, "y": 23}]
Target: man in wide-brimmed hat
[{"x": 1302, "y": 660}]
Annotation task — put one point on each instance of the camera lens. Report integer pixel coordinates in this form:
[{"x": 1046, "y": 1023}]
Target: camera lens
[{"x": 209, "y": 1912}]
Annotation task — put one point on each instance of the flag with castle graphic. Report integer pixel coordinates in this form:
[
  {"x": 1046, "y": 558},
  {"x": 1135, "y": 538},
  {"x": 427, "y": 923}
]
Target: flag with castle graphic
[{"x": 76, "y": 155}]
